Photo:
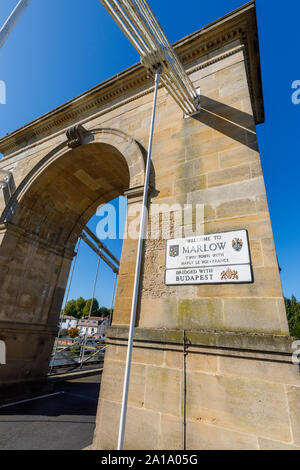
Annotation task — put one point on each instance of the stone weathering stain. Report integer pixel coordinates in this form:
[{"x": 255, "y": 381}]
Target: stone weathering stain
[{"x": 229, "y": 343}]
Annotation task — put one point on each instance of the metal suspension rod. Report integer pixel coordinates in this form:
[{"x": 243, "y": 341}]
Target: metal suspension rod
[
  {"x": 67, "y": 298},
  {"x": 159, "y": 31},
  {"x": 129, "y": 25},
  {"x": 131, "y": 36},
  {"x": 139, "y": 23},
  {"x": 99, "y": 253},
  {"x": 12, "y": 20},
  {"x": 137, "y": 274},
  {"x": 113, "y": 298},
  {"x": 102, "y": 245},
  {"x": 90, "y": 311},
  {"x": 175, "y": 96},
  {"x": 153, "y": 25},
  {"x": 176, "y": 90}
]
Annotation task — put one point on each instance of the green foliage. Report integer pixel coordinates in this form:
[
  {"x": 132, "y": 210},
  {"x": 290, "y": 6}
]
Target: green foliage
[
  {"x": 103, "y": 311},
  {"x": 87, "y": 307},
  {"x": 293, "y": 315},
  {"x": 80, "y": 304},
  {"x": 70, "y": 309},
  {"x": 74, "y": 308},
  {"x": 81, "y": 308}
]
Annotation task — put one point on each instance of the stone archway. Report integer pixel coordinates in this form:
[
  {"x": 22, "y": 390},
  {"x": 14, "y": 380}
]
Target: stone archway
[{"x": 39, "y": 229}]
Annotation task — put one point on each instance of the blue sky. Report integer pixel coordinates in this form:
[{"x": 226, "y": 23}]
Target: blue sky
[{"x": 60, "y": 48}]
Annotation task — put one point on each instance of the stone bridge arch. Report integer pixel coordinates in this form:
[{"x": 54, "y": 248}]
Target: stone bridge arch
[
  {"x": 132, "y": 153},
  {"x": 39, "y": 229}
]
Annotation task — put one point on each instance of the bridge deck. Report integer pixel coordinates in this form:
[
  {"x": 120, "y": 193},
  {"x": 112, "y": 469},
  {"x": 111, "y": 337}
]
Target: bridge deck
[{"x": 61, "y": 420}]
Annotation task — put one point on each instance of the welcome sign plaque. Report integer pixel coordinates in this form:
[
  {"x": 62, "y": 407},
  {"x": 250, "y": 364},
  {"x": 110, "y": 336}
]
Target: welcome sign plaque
[{"x": 217, "y": 258}]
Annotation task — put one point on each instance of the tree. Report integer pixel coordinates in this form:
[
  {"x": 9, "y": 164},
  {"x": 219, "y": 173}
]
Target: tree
[
  {"x": 95, "y": 308},
  {"x": 293, "y": 315},
  {"x": 81, "y": 308},
  {"x": 73, "y": 332},
  {"x": 75, "y": 308},
  {"x": 103, "y": 311},
  {"x": 80, "y": 304},
  {"x": 70, "y": 308}
]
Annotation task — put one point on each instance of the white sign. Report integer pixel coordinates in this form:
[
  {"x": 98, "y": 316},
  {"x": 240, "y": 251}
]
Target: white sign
[
  {"x": 213, "y": 275},
  {"x": 209, "y": 259}
]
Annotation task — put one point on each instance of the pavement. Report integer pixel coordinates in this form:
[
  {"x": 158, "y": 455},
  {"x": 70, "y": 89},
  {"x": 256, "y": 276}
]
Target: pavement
[{"x": 61, "y": 420}]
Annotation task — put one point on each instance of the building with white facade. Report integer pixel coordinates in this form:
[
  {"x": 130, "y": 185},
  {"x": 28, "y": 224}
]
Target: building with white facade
[
  {"x": 89, "y": 326},
  {"x": 68, "y": 322}
]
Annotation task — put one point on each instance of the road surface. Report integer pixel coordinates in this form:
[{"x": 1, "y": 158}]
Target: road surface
[{"x": 62, "y": 420}]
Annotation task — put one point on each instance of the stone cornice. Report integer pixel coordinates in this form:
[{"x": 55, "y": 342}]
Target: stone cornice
[
  {"x": 265, "y": 344},
  {"x": 36, "y": 240},
  {"x": 136, "y": 81},
  {"x": 31, "y": 328}
]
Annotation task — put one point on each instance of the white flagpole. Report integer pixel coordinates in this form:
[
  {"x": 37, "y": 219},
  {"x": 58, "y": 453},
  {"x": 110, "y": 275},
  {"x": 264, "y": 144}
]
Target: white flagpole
[
  {"x": 12, "y": 20},
  {"x": 137, "y": 275}
]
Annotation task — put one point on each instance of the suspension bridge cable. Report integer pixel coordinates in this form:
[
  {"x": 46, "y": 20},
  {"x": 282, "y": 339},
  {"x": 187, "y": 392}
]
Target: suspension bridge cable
[
  {"x": 67, "y": 298},
  {"x": 90, "y": 311},
  {"x": 113, "y": 298},
  {"x": 139, "y": 24},
  {"x": 12, "y": 20}
]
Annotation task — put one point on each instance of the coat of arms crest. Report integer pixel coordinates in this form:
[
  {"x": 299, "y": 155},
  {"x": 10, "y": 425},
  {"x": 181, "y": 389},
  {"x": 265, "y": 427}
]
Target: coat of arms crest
[
  {"x": 229, "y": 275},
  {"x": 174, "y": 251},
  {"x": 237, "y": 244}
]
